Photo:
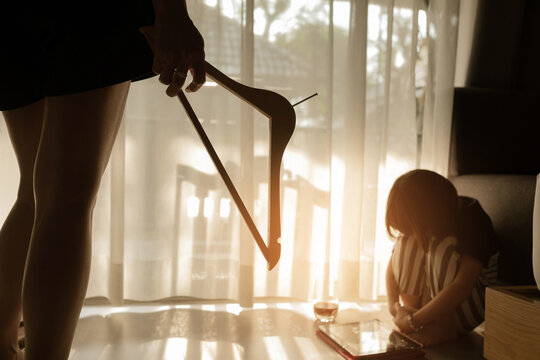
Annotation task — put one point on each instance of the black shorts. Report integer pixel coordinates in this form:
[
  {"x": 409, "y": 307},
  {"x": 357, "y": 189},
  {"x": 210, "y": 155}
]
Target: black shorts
[{"x": 50, "y": 49}]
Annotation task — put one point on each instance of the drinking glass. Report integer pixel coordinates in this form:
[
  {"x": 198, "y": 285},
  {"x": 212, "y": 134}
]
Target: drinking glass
[{"x": 325, "y": 299}]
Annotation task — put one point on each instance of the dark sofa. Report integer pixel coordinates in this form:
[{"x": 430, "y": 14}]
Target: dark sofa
[{"x": 495, "y": 157}]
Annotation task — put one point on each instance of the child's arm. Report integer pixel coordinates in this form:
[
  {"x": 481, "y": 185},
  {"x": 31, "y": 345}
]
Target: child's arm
[
  {"x": 450, "y": 297},
  {"x": 392, "y": 290}
]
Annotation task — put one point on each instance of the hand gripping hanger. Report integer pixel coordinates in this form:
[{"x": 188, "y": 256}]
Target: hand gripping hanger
[{"x": 282, "y": 122}]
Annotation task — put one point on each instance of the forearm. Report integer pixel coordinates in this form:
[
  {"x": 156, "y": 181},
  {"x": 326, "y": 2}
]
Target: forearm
[
  {"x": 392, "y": 290},
  {"x": 453, "y": 294},
  {"x": 442, "y": 304}
]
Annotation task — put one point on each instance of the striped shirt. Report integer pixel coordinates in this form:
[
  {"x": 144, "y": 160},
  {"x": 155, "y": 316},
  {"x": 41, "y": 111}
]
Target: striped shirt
[{"x": 425, "y": 273}]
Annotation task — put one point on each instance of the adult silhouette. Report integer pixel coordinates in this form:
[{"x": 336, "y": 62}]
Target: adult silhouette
[{"x": 65, "y": 73}]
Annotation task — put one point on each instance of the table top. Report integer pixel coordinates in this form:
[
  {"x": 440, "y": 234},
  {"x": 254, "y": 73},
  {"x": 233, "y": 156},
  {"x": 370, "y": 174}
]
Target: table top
[{"x": 270, "y": 330}]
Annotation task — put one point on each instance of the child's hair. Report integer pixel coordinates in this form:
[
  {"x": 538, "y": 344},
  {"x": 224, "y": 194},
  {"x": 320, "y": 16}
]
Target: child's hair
[{"x": 421, "y": 203}]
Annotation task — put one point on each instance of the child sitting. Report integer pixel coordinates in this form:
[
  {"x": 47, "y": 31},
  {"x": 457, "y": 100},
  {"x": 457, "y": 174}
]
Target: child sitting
[{"x": 445, "y": 255}]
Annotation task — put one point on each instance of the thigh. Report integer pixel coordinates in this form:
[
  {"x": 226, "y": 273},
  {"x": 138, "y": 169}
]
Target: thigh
[
  {"x": 24, "y": 127},
  {"x": 77, "y": 138}
]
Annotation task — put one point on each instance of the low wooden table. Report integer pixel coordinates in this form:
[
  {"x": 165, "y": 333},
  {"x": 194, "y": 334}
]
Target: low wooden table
[{"x": 512, "y": 329}]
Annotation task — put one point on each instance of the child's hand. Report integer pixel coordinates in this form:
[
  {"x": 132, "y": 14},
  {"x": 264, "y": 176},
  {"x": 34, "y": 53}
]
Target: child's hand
[
  {"x": 436, "y": 332},
  {"x": 400, "y": 319}
]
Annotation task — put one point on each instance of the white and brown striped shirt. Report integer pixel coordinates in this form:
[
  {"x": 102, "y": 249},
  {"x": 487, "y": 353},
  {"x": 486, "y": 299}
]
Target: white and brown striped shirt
[{"x": 426, "y": 273}]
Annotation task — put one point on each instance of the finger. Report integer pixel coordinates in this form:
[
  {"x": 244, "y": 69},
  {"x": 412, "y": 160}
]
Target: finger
[
  {"x": 178, "y": 80},
  {"x": 198, "y": 72},
  {"x": 397, "y": 306},
  {"x": 158, "y": 66},
  {"x": 166, "y": 75},
  {"x": 396, "y": 323},
  {"x": 193, "y": 86}
]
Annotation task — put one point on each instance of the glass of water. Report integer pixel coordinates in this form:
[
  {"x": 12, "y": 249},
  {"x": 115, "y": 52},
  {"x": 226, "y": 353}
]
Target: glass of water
[{"x": 325, "y": 299}]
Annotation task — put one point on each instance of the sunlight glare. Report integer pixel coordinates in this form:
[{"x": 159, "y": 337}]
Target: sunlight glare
[
  {"x": 387, "y": 175},
  {"x": 208, "y": 350},
  {"x": 208, "y": 207},
  {"x": 175, "y": 348},
  {"x": 209, "y": 83},
  {"x": 284, "y": 306},
  {"x": 208, "y": 307},
  {"x": 193, "y": 207},
  {"x": 342, "y": 14},
  {"x": 374, "y": 22},
  {"x": 260, "y": 306},
  {"x": 275, "y": 348},
  {"x": 422, "y": 23},
  {"x": 399, "y": 60},
  {"x": 307, "y": 348},
  {"x": 372, "y": 341},
  {"x": 260, "y": 21},
  {"x": 224, "y": 208},
  {"x": 318, "y": 235},
  {"x": 238, "y": 351},
  {"x": 233, "y": 309},
  {"x": 338, "y": 194}
]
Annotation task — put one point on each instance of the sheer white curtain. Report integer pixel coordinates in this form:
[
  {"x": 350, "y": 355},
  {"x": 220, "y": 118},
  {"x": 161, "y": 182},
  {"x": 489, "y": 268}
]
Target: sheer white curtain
[{"x": 164, "y": 224}]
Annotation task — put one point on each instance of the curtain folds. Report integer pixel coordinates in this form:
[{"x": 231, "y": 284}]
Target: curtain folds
[{"x": 165, "y": 225}]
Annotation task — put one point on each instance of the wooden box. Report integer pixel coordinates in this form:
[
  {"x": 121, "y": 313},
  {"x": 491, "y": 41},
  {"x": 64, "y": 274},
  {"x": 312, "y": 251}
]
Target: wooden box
[{"x": 512, "y": 328}]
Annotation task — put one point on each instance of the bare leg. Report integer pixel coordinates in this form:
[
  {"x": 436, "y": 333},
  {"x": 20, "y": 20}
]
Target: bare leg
[
  {"x": 78, "y": 135},
  {"x": 24, "y": 127}
]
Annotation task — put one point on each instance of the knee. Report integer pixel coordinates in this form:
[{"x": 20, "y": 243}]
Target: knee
[
  {"x": 67, "y": 202},
  {"x": 25, "y": 194},
  {"x": 443, "y": 263},
  {"x": 25, "y": 200},
  {"x": 408, "y": 267}
]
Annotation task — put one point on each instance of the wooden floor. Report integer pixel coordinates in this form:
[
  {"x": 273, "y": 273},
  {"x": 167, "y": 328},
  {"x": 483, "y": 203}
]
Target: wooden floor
[{"x": 276, "y": 330}]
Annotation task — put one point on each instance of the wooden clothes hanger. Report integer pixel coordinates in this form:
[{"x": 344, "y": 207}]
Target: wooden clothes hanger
[{"x": 282, "y": 118}]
